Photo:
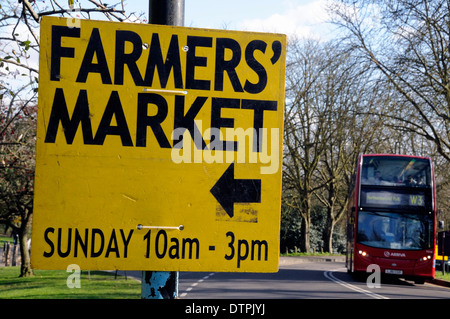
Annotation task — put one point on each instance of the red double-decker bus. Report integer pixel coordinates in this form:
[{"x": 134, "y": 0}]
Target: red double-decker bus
[{"x": 392, "y": 216}]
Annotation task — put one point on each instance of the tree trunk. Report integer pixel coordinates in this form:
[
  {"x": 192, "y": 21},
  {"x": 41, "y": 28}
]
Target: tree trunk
[
  {"x": 328, "y": 232},
  {"x": 25, "y": 268},
  {"x": 304, "y": 243}
]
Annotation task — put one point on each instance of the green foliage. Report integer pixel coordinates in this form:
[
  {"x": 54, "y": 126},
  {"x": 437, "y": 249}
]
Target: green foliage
[
  {"x": 290, "y": 229},
  {"x": 290, "y": 235}
]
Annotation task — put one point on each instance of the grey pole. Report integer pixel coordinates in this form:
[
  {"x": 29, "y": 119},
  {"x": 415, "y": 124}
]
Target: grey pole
[
  {"x": 166, "y": 12},
  {"x": 162, "y": 284}
]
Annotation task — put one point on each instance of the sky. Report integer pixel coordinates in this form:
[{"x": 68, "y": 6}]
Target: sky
[
  {"x": 304, "y": 18},
  {"x": 300, "y": 18}
]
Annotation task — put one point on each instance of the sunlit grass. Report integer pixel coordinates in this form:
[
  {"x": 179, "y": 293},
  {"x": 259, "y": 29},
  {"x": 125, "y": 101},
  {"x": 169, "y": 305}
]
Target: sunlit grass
[
  {"x": 439, "y": 275},
  {"x": 52, "y": 284}
]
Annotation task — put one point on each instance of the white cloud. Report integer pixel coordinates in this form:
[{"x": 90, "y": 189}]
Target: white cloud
[{"x": 306, "y": 20}]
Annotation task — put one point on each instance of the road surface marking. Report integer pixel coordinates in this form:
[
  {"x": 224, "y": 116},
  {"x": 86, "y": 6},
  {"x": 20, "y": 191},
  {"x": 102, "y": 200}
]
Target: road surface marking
[
  {"x": 330, "y": 276},
  {"x": 195, "y": 284}
]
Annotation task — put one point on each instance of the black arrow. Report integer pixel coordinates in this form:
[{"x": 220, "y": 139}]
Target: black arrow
[{"x": 228, "y": 190}]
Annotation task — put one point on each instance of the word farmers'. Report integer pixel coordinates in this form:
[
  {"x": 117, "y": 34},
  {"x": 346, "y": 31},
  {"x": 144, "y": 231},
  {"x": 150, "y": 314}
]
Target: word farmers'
[{"x": 184, "y": 60}]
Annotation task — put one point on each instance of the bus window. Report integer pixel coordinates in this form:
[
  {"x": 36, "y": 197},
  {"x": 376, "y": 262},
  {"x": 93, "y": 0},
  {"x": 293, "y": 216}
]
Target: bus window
[{"x": 396, "y": 171}]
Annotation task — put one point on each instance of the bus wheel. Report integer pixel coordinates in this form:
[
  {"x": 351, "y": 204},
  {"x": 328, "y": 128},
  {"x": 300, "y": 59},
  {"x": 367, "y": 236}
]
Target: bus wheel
[{"x": 419, "y": 281}]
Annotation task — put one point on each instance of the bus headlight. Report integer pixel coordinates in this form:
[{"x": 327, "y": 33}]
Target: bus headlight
[{"x": 363, "y": 253}]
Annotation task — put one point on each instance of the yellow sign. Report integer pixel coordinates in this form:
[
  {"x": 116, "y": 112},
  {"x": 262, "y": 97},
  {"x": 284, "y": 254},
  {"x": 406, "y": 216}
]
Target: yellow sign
[{"x": 158, "y": 148}]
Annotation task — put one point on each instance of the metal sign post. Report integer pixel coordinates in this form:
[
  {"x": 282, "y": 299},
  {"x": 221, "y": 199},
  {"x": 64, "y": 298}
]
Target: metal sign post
[
  {"x": 166, "y": 12},
  {"x": 162, "y": 284}
]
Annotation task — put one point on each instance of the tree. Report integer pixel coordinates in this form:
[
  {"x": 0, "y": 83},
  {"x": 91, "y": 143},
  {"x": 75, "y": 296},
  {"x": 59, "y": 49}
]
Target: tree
[
  {"x": 407, "y": 42},
  {"x": 346, "y": 91},
  {"x": 351, "y": 96},
  {"x": 17, "y": 142},
  {"x": 324, "y": 92},
  {"x": 331, "y": 96},
  {"x": 304, "y": 128},
  {"x": 19, "y": 49}
]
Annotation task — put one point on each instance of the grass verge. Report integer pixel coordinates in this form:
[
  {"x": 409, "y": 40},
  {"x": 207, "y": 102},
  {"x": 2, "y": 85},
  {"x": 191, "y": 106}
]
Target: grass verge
[
  {"x": 438, "y": 275},
  {"x": 52, "y": 284}
]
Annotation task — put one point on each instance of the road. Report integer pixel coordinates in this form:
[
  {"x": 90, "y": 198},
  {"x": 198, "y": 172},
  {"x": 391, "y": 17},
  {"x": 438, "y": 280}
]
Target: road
[{"x": 306, "y": 280}]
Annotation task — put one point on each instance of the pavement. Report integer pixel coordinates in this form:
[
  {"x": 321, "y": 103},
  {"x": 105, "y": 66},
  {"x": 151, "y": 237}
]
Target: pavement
[{"x": 305, "y": 259}]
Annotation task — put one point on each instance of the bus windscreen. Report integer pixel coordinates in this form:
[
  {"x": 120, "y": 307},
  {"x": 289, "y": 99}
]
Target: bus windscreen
[{"x": 395, "y": 230}]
